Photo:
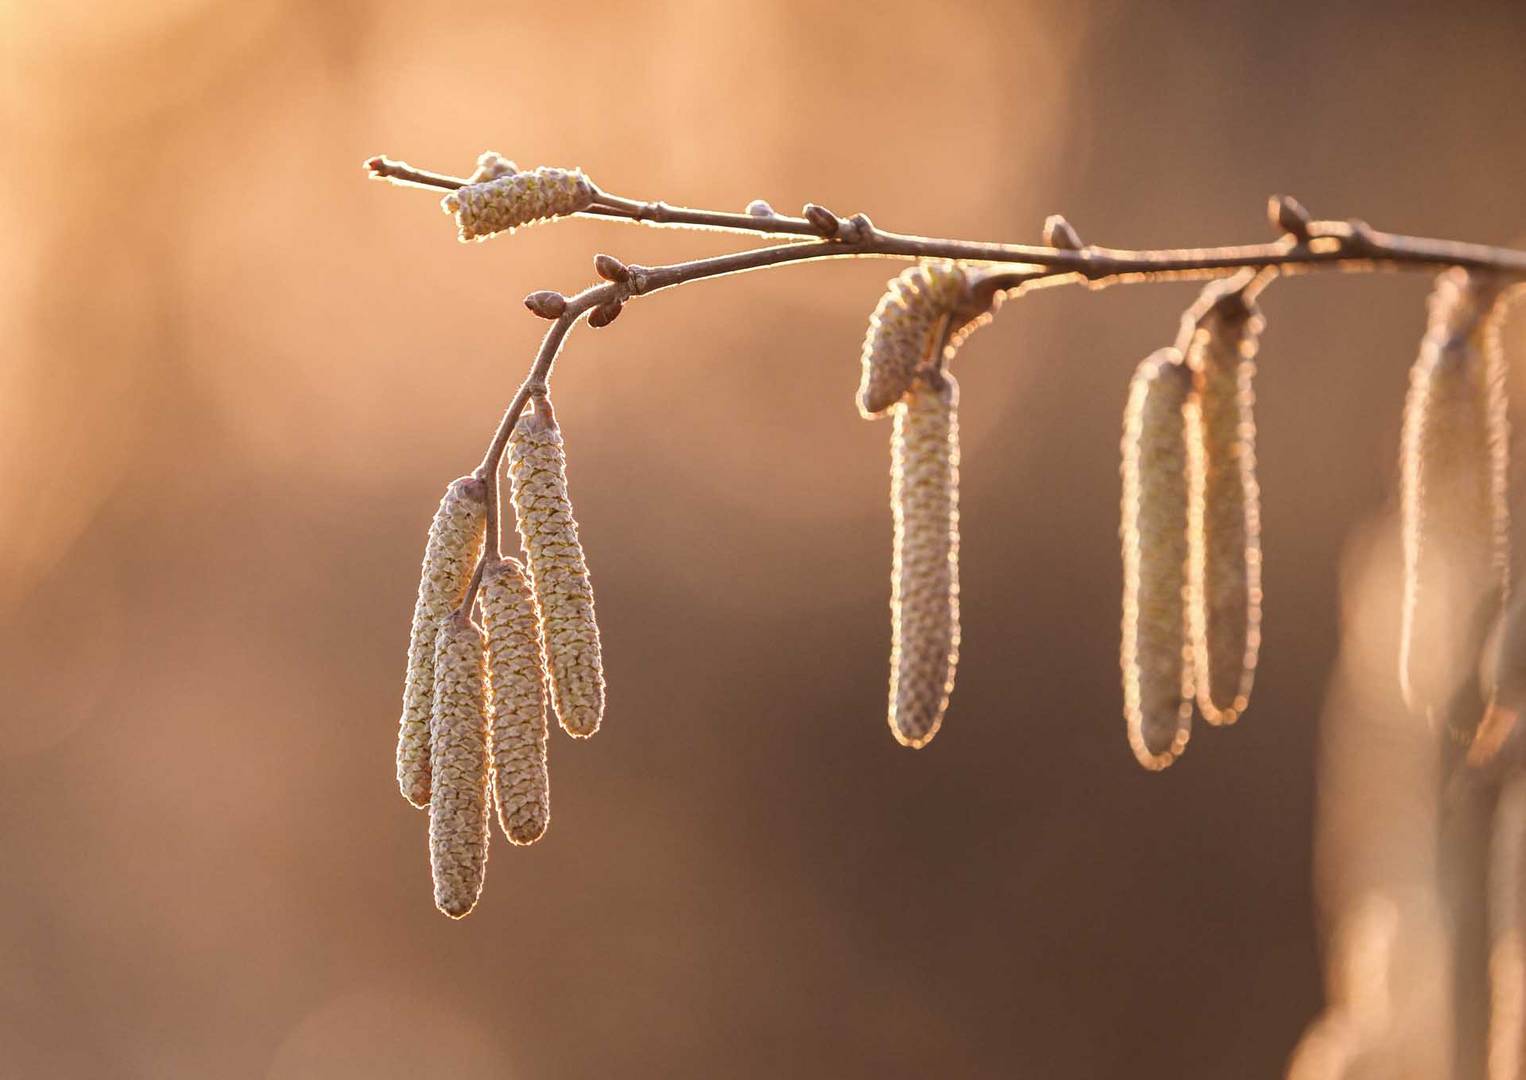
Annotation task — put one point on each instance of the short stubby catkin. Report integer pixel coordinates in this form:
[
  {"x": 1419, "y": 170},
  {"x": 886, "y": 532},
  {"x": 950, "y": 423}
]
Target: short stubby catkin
[
  {"x": 1225, "y": 508},
  {"x": 455, "y": 541},
  {"x": 915, "y": 316},
  {"x": 924, "y": 574},
  {"x": 1456, "y": 525},
  {"x": 1157, "y": 675},
  {"x": 458, "y": 802},
  {"x": 558, "y": 570},
  {"x": 514, "y": 199},
  {"x": 516, "y": 703}
]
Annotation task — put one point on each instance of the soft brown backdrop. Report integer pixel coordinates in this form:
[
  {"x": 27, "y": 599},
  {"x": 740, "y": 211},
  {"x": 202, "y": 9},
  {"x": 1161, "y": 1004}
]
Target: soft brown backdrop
[{"x": 236, "y": 376}]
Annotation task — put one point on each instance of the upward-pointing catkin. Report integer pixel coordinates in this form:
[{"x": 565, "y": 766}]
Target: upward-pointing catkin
[
  {"x": 1225, "y": 508},
  {"x": 458, "y": 808},
  {"x": 514, "y": 199},
  {"x": 455, "y": 542},
  {"x": 517, "y": 702},
  {"x": 558, "y": 570},
  {"x": 909, "y": 327},
  {"x": 1456, "y": 528},
  {"x": 1157, "y": 677},
  {"x": 924, "y": 576}
]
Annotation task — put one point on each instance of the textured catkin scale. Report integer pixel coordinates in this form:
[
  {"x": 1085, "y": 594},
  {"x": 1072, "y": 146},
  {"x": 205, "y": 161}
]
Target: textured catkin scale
[
  {"x": 455, "y": 541},
  {"x": 514, "y": 199},
  {"x": 924, "y": 576},
  {"x": 908, "y": 328},
  {"x": 458, "y": 803},
  {"x": 1157, "y": 678},
  {"x": 1225, "y": 507},
  {"x": 558, "y": 570},
  {"x": 1456, "y": 527},
  {"x": 517, "y": 703}
]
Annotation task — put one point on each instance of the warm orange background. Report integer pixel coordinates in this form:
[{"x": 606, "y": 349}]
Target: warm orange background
[{"x": 236, "y": 377}]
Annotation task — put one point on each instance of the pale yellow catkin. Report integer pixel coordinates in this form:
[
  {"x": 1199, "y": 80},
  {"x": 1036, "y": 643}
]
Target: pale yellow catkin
[
  {"x": 515, "y": 199},
  {"x": 458, "y": 804},
  {"x": 455, "y": 542},
  {"x": 558, "y": 569},
  {"x": 924, "y": 576},
  {"x": 910, "y": 325},
  {"x": 1456, "y": 525},
  {"x": 517, "y": 703},
  {"x": 1225, "y": 507},
  {"x": 1157, "y": 675}
]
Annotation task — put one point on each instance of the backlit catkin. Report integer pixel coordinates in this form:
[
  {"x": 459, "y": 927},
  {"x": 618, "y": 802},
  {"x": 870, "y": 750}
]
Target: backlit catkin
[
  {"x": 924, "y": 576},
  {"x": 514, "y": 199},
  {"x": 909, "y": 327},
  {"x": 517, "y": 703},
  {"x": 558, "y": 570},
  {"x": 1455, "y": 445},
  {"x": 1157, "y": 679},
  {"x": 1225, "y": 507},
  {"x": 455, "y": 542},
  {"x": 458, "y": 803}
]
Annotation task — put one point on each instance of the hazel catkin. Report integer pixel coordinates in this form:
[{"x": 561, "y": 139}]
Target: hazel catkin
[
  {"x": 455, "y": 541},
  {"x": 515, "y": 199},
  {"x": 924, "y": 576},
  {"x": 558, "y": 569},
  {"x": 909, "y": 327},
  {"x": 1456, "y": 527},
  {"x": 516, "y": 703},
  {"x": 458, "y": 806},
  {"x": 1225, "y": 508},
  {"x": 1157, "y": 679}
]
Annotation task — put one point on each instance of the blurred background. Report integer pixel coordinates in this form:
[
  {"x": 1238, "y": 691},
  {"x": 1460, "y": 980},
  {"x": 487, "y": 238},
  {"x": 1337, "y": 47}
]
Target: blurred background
[{"x": 237, "y": 375}]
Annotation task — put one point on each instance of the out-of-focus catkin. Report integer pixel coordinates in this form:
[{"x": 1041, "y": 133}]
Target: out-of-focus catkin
[
  {"x": 455, "y": 541},
  {"x": 910, "y": 325},
  {"x": 517, "y": 703},
  {"x": 1225, "y": 508},
  {"x": 514, "y": 199},
  {"x": 924, "y": 577},
  {"x": 1456, "y": 528},
  {"x": 458, "y": 803},
  {"x": 558, "y": 570},
  {"x": 1157, "y": 675}
]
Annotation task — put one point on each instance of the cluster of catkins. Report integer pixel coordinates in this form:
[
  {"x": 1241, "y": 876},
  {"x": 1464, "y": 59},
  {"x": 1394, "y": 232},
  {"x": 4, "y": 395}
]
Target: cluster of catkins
[{"x": 473, "y": 726}]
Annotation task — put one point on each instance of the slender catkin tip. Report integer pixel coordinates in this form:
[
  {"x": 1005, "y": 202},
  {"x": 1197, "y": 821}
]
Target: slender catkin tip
[
  {"x": 1225, "y": 507},
  {"x": 455, "y": 542},
  {"x": 458, "y": 806},
  {"x": 1455, "y": 447},
  {"x": 517, "y": 702},
  {"x": 558, "y": 570},
  {"x": 910, "y": 326},
  {"x": 1157, "y": 677},
  {"x": 924, "y": 573},
  {"x": 514, "y": 199}
]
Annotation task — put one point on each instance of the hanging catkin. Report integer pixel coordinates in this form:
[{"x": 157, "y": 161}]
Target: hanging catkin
[
  {"x": 924, "y": 576},
  {"x": 458, "y": 806},
  {"x": 455, "y": 541},
  {"x": 909, "y": 327},
  {"x": 558, "y": 571},
  {"x": 1225, "y": 508},
  {"x": 1157, "y": 679},
  {"x": 517, "y": 702},
  {"x": 1455, "y": 444},
  {"x": 514, "y": 199}
]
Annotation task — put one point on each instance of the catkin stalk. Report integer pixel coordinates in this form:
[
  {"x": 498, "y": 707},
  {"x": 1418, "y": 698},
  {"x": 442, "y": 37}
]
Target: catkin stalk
[
  {"x": 1456, "y": 528},
  {"x": 455, "y": 541},
  {"x": 558, "y": 570},
  {"x": 1157, "y": 676},
  {"x": 517, "y": 703},
  {"x": 924, "y": 577},
  {"x": 909, "y": 327},
  {"x": 1225, "y": 507},
  {"x": 458, "y": 806}
]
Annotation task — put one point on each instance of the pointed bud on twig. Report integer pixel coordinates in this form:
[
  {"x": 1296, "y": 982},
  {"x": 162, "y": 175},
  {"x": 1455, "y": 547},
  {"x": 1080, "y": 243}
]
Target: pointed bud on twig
[
  {"x": 548, "y": 303},
  {"x": 1058, "y": 233},
  {"x": 824, "y": 221},
  {"x": 759, "y": 208},
  {"x": 611, "y": 269},
  {"x": 1288, "y": 214},
  {"x": 605, "y": 313}
]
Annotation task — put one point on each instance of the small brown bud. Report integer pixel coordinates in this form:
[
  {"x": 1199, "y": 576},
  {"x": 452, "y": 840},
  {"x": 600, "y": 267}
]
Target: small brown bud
[
  {"x": 1058, "y": 233},
  {"x": 825, "y": 222},
  {"x": 605, "y": 313},
  {"x": 547, "y": 303},
  {"x": 759, "y": 208},
  {"x": 611, "y": 269},
  {"x": 458, "y": 806},
  {"x": 1288, "y": 214}
]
